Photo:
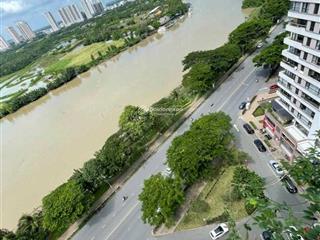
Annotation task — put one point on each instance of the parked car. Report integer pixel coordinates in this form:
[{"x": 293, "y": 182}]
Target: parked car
[
  {"x": 291, "y": 187},
  {"x": 266, "y": 235},
  {"x": 259, "y": 145},
  {"x": 276, "y": 167},
  {"x": 274, "y": 87},
  {"x": 293, "y": 233},
  {"x": 242, "y": 105},
  {"x": 167, "y": 172},
  {"x": 248, "y": 128},
  {"x": 219, "y": 231}
]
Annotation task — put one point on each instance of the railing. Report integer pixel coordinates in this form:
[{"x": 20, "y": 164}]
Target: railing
[
  {"x": 297, "y": 25},
  {"x": 317, "y": 105}
]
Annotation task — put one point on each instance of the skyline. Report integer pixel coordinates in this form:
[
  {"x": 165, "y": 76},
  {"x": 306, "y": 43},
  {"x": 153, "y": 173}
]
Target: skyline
[{"x": 12, "y": 11}]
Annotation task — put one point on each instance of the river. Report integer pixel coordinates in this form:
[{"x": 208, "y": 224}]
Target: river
[{"x": 43, "y": 142}]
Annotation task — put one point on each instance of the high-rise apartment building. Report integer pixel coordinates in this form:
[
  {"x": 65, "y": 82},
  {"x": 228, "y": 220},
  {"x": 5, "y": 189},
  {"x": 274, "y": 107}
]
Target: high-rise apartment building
[
  {"x": 98, "y": 7},
  {"x": 3, "y": 44},
  {"x": 88, "y": 8},
  {"x": 25, "y": 30},
  {"x": 70, "y": 14},
  {"x": 51, "y": 21},
  {"x": 295, "y": 118},
  {"x": 17, "y": 38}
]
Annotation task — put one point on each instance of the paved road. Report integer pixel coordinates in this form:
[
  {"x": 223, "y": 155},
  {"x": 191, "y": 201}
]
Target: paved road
[{"x": 121, "y": 220}]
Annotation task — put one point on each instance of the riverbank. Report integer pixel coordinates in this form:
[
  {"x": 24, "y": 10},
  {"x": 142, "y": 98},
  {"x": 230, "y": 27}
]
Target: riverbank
[{"x": 77, "y": 64}]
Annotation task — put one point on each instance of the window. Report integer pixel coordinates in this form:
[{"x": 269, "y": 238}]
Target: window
[
  {"x": 299, "y": 80},
  {"x": 295, "y": 6},
  {"x": 311, "y": 28},
  {"x": 305, "y": 55},
  {"x": 294, "y": 101},
  {"x": 304, "y": 8},
  {"x": 308, "y": 42},
  {"x": 315, "y": 60},
  {"x": 318, "y": 45},
  {"x": 314, "y": 75},
  {"x": 301, "y": 68},
  {"x": 312, "y": 88},
  {"x": 297, "y": 91},
  {"x": 316, "y": 8}
]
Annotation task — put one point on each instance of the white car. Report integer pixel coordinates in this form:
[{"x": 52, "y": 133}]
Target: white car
[
  {"x": 292, "y": 233},
  {"x": 167, "y": 172},
  {"x": 219, "y": 231},
  {"x": 276, "y": 167},
  {"x": 260, "y": 45}
]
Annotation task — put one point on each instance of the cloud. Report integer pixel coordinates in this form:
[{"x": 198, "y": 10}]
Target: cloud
[{"x": 12, "y": 6}]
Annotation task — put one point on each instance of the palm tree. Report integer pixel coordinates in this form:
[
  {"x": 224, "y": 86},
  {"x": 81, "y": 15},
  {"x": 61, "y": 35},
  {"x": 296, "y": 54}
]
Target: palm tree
[{"x": 30, "y": 227}]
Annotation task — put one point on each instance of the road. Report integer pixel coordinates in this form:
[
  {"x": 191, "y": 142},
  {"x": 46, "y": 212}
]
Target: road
[{"x": 119, "y": 220}]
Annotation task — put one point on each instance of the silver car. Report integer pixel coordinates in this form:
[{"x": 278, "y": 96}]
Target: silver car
[{"x": 276, "y": 167}]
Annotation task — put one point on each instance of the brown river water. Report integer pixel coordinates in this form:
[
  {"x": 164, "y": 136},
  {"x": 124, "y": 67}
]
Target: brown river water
[{"x": 44, "y": 142}]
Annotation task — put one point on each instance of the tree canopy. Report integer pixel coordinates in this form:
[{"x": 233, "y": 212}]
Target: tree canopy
[
  {"x": 192, "y": 154},
  {"x": 160, "y": 198},
  {"x": 64, "y": 205},
  {"x": 272, "y": 55}
]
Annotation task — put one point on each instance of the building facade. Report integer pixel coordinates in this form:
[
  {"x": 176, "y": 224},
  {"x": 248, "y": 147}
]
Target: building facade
[
  {"x": 70, "y": 14},
  {"x": 51, "y": 21},
  {"x": 4, "y": 45},
  {"x": 17, "y": 38},
  {"x": 295, "y": 118},
  {"x": 88, "y": 8},
  {"x": 98, "y": 7},
  {"x": 25, "y": 30}
]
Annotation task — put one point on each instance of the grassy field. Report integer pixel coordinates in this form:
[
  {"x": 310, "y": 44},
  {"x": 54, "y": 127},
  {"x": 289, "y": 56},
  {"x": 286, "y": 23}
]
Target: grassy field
[
  {"x": 81, "y": 56},
  {"x": 212, "y": 202}
]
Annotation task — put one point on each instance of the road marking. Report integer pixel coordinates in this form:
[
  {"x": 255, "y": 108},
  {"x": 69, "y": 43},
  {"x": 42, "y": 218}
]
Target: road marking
[
  {"x": 240, "y": 85},
  {"x": 235, "y": 126},
  {"x": 122, "y": 220}
]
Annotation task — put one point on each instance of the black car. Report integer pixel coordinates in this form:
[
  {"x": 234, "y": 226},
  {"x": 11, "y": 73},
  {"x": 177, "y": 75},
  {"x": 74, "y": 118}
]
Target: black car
[
  {"x": 248, "y": 128},
  {"x": 266, "y": 235},
  {"x": 289, "y": 184},
  {"x": 242, "y": 105},
  {"x": 259, "y": 145}
]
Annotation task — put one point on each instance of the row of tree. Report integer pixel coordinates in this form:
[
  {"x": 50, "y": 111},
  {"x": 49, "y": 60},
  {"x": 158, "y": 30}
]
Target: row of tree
[{"x": 206, "y": 67}]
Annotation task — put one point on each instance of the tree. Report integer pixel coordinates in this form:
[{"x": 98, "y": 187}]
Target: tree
[
  {"x": 247, "y": 33},
  {"x": 160, "y": 198},
  {"x": 64, "y": 205},
  {"x": 199, "y": 79},
  {"x": 31, "y": 227},
  {"x": 233, "y": 232},
  {"x": 192, "y": 154},
  {"x": 274, "y": 9},
  {"x": 135, "y": 121},
  {"x": 271, "y": 56},
  {"x": 247, "y": 184},
  {"x": 95, "y": 172},
  {"x": 7, "y": 235}
]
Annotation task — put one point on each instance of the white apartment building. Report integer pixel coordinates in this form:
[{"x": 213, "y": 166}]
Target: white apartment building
[
  {"x": 3, "y": 44},
  {"x": 17, "y": 38},
  {"x": 25, "y": 30},
  {"x": 88, "y": 8},
  {"x": 295, "y": 118},
  {"x": 70, "y": 14},
  {"x": 51, "y": 21}
]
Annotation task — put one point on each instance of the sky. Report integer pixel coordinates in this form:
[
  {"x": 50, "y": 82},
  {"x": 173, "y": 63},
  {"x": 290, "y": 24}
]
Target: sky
[{"x": 30, "y": 11}]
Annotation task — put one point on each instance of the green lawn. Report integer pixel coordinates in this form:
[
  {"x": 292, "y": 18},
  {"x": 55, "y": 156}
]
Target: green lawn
[
  {"x": 212, "y": 202},
  {"x": 81, "y": 56}
]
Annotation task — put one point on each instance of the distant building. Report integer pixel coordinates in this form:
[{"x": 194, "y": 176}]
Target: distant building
[
  {"x": 98, "y": 7},
  {"x": 25, "y": 30},
  {"x": 88, "y": 8},
  {"x": 51, "y": 21},
  {"x": 17, "y": 38},
  {"x": 3, "y": 44},
  {"x": 70, "y": 14}
]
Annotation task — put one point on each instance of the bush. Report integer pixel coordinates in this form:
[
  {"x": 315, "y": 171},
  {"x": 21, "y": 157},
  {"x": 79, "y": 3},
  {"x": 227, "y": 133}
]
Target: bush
[
  {"x": 249, "y": 207},
  {"x": 221, "y": 218}
]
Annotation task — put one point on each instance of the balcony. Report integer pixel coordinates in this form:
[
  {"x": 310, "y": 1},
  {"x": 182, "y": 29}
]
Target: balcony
[
  {"x": 301, "y": 29},
  {"x": 303, "y": 15},
  {"x": 299, "y": 45},
  {"x": 310, "y": 100}
]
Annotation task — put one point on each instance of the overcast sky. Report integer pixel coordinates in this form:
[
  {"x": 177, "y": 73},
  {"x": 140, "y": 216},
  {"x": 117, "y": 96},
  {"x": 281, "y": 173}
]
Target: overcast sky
[{"x": 30, "y": 11}]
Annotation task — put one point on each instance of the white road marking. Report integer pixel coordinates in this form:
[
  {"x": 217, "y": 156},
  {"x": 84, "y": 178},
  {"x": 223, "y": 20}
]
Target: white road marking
[
  {"x": 122, "y": 220},
  {"x": 235, "y": 126},
  {"x": 239, "y": 86}
]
